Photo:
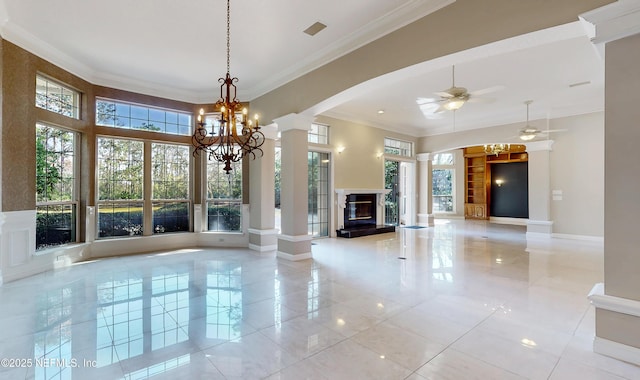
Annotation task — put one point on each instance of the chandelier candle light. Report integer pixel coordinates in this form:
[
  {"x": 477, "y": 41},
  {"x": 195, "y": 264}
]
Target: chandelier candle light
[
  {"x": 497, "y": 148},
  {"x": 235, "y": 136}
]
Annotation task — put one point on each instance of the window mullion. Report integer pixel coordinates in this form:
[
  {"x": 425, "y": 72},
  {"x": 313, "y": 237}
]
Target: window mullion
[{"x": 147, "y": 191}]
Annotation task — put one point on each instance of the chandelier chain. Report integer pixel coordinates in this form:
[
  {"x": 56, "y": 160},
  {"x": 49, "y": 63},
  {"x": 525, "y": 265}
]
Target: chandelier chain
[{"x": 228, "y": 34}]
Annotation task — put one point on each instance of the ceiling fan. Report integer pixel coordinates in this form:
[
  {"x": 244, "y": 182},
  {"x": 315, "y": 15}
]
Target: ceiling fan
[
  {"x": 529, "y": 133},
  {"x": 453, "y": 98}
]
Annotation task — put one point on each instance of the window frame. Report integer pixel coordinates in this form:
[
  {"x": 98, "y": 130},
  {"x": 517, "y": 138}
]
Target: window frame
[
  {"x": 130, "y": 120},
  {"x": 76, "y": 95},
  {"x": 73, "y": 201},
  {"x": 157, "y": 229},
  {"x": 452, "y": 168},
  {"x": 321, "y": 138},
  {"x": 138, "y": 201},
  {"x": 389, "y": 147},
  {"x": 232, "y": 204}
]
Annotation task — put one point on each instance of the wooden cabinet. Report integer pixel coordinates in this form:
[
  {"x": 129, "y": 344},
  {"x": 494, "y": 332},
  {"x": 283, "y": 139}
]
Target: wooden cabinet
[{"x": 476, "y": 187}]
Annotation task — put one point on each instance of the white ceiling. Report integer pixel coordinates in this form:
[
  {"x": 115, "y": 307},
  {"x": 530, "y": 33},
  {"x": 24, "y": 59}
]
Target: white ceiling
[{"x": 176, "y": 49}]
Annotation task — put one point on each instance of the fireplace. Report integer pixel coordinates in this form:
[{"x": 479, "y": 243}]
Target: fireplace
[{"x": 360, "y": 210}]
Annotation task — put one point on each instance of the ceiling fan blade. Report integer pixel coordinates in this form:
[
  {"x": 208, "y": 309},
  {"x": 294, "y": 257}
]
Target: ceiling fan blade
[
  {"x": 444, "y": 94},
  {"x": 441, "y": 109},
  {"x": 486, "y": 90},
  {"x": 473, "y": 99}
]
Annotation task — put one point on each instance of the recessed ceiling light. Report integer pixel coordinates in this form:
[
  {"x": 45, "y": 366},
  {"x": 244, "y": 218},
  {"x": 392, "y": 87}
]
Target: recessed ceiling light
[
  {"x": 315, "y": 28},
  {"x": 380, "y": 112}
]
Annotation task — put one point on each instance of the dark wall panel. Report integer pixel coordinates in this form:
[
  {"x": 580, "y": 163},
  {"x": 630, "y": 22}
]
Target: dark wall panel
[{"x": 511, "y": 199}]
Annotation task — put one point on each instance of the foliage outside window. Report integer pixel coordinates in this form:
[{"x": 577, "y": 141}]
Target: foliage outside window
[
  {"x": 170, "y": 192},
  {"x": 120, "y": 187},
  {"x": 55, "y": 97},
  {"x": 111, "y": 113},
  {"x": 318, "y": 134},
  {"x": 398, "y": 147},
  {"x": 224, "y": 197},
  {"x": 55, "y": 187},
  {"x": 318, "y": 200},
  {"x": 442, "y": 182}
]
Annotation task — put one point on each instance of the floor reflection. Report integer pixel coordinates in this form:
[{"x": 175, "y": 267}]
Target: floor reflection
[{"x": 463, "y": 295}]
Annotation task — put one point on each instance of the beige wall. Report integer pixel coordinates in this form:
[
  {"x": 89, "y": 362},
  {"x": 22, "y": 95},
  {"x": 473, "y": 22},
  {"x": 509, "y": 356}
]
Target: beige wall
[{"x": 358, "y": 165}]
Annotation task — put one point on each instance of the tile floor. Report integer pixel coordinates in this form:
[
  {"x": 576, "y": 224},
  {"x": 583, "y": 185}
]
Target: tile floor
[{"x": 462, "y": 300}]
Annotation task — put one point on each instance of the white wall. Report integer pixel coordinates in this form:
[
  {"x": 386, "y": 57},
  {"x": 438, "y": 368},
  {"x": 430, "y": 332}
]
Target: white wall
[{"x": 577, "y": 169}]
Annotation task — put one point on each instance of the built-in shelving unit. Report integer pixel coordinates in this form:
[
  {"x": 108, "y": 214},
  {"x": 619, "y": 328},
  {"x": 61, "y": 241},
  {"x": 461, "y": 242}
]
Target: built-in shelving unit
[{"x": 478, "y": 177}]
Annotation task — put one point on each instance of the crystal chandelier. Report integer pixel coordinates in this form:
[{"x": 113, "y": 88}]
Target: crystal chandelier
[
  {"x": 234, "y": 136},
  {"x": 497, "y": 148}
]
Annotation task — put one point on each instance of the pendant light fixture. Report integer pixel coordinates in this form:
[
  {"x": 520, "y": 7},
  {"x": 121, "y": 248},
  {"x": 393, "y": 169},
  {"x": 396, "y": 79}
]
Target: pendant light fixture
[{"x": 233, "y": 136}]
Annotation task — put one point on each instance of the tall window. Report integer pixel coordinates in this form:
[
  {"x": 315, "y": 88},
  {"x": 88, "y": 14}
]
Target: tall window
[
  {"x": 170, "y": 193},
  {"x": 318, "y": 134},
  {"x": 398, "y": 147},
  {"x": 224, "y": 197},
  {"x": 120, "y": 183},
  {"x": 443, "y": 182},
  {"x": 55, "y": 97},
  {"x": 318, "y": 210},
  {"x": 56, "y": 202},
  {"x": 111, "y": 113}
]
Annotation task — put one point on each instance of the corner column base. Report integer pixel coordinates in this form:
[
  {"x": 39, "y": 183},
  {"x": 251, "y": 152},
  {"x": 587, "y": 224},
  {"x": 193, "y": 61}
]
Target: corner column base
[
  {"x": 294, "y": 248},
  {"x": 263, "y": 240},
  {"x": 617, "y": 319},
  {"x": 426, "y": 220}
]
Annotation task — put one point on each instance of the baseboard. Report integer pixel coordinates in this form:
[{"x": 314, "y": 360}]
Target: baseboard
[
  {"x": 612, "y": 303},
  {"x": 616, "y": 350},
  {"x": 505, "y": 220},
  {"x": 263, "y": 248},
  {"x": 290, "y": 257},
  {"x": 595, "y": 239}
]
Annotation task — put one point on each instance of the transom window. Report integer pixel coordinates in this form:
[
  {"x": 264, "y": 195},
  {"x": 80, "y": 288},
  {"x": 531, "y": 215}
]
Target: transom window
[
  {"x": 398, "y": 147},
  {"x": 118, "y": 114},
  {"x": 56, "y": 97},
  {"x": 318, "y": 134},
  {"x": 56, "y": 202}
]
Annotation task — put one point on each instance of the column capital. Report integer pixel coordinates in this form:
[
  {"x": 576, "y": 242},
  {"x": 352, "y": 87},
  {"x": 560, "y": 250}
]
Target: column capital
[
  {"x": 294, "y": 121},
  {"x": 422, "y": 157},
  {"x": 270, "y": 131}
]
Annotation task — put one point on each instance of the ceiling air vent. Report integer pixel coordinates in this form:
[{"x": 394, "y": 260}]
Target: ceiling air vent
[{"x": 315, "y": 28}]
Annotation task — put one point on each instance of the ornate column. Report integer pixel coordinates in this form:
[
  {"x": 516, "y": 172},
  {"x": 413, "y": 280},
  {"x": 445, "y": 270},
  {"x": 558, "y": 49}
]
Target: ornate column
[
  {"x": 539, "y": 223},
  {"x": 294, "y": 242},
  {"x": 425, "y": 198},
  {"x": 262, "y": 232}
]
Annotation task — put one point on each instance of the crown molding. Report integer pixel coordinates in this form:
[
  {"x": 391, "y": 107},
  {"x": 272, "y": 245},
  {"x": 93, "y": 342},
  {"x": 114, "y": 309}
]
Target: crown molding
[{"x": 612, "y": 22}]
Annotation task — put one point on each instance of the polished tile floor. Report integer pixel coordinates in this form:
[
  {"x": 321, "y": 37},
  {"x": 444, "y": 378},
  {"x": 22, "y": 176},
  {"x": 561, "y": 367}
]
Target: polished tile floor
[{"x": 462, "y": 300}]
